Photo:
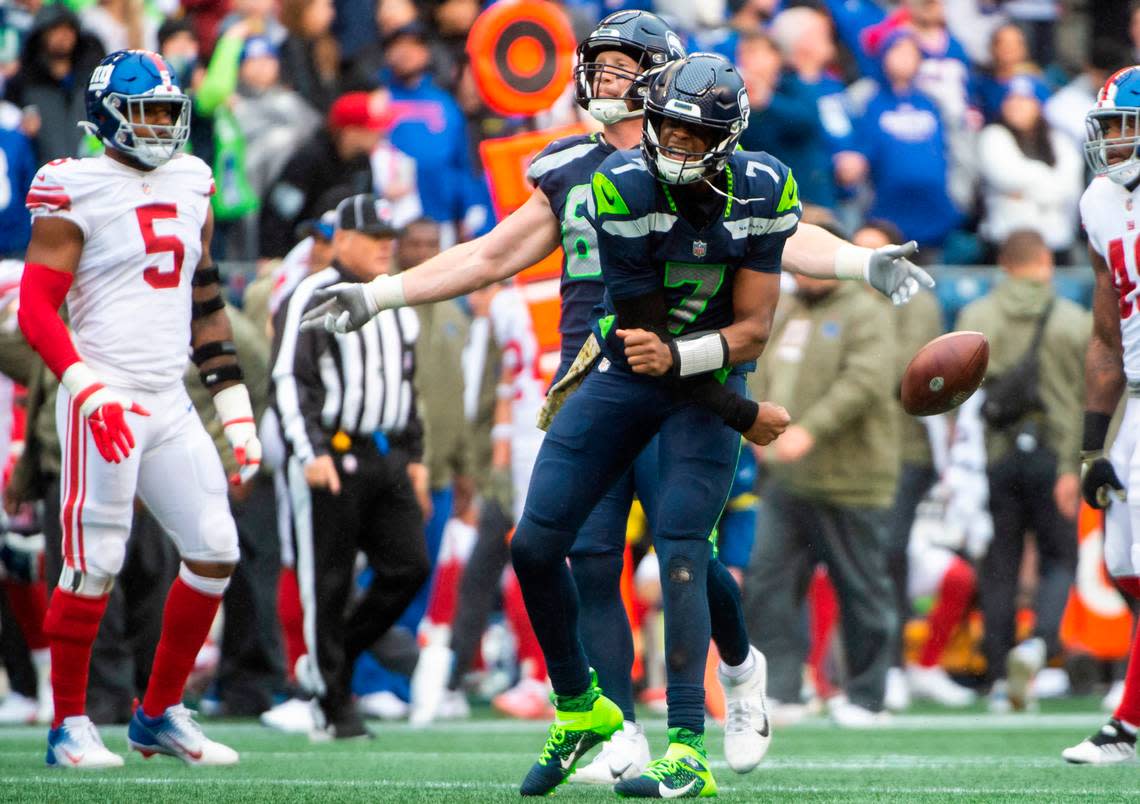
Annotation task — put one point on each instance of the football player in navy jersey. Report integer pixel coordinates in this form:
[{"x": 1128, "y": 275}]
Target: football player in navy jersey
[{"x": 610, "y": 84}]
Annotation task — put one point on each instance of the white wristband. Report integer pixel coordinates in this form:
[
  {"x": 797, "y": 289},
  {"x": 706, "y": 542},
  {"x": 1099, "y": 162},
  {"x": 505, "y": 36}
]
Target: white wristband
[
  {"x": 77, "y": 378},
  {"x": 387, "y": 291},
  {"x": 852, "y": 262},
  {"x": 232, "y": 404},
  {"x": 700, "y": 354}
]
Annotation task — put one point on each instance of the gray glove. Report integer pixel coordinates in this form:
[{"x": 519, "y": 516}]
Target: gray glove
[
  {"x": 345, "y": 307},
  {"x": 895, "y": 276}
]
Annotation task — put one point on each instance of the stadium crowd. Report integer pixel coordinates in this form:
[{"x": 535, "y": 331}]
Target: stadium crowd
[{"x": 958, "y": 124}]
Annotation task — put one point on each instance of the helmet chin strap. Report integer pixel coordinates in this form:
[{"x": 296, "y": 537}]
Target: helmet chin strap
[{"x": 729, "y": 196}]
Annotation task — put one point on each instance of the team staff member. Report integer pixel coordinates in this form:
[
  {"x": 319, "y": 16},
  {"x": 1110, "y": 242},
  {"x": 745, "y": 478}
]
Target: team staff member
[
  {"x": 355, "y": 442},
  {"x": 831, "y": 482}
]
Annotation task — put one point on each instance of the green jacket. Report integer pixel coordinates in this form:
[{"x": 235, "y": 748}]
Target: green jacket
[
  {"x": 253, "y": 356},
  {"x": 917, "y": 322},
  {"x": 831, "y": 363},
  {"x": 1007, "y": 316},
  {"x": 439, "y": 385}
]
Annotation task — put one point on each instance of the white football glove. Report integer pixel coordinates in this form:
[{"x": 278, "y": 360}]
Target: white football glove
[
  {"x": 236, "y": 414},
  {"x": 890, "y": 272},
  {"x": 348, "y": 306}
]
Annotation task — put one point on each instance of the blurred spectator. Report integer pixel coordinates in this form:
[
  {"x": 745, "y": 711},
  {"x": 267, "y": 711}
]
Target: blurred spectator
[
  {"x": 1134, "y": 30},
  {"x": 274, "y": 120},
  {"x": 18, "y": 168},
  {"x": 453, "y": 21},
  {"x": 56, "y": 64},
  {"x": 901, "y": 135},
  {"x": 804, "y": 37},
  {"x": 785, "y": 118},
  {"x": 355, "y": 26},
  {"x": 429, "y": 127},
  {"x": 260, "y": 18},
  {"x": 972, "y": 23},
  {"x": 206, "y": 17},
  {"x": 121, "y": 24},
  {"x": 1065, "y": 111},
  {"x": 1032, "y": 438},
  {"x": 178, "y": 44},
  {"x": 1032, "y": 177},
  {"x": 1009, "y": 57},
  {"x": 338, "y": 152},
  {"x": 854, "y": 20},
  {"x": 1038, "y": 19},
  {"x": 831, "y": 481},
  {"x": 310, "y": 56}
]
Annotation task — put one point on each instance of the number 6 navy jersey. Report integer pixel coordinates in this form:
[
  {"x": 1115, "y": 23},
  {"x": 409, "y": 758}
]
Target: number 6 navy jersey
[
  {"x": 646, "y": 244},
  {"x": 562, "y": 171}
]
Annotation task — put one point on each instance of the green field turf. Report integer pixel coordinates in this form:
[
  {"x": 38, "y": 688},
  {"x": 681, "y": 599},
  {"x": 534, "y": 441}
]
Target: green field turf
[{"x": 924, "y": 757}]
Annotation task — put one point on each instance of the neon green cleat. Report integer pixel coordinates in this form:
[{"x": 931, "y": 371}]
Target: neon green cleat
[
  {"x": 580, "y": 723},
  {"x": 684, "y": 771}
]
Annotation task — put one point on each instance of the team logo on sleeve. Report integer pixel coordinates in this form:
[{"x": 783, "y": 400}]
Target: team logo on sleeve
[{"x": 700, "y": 248}]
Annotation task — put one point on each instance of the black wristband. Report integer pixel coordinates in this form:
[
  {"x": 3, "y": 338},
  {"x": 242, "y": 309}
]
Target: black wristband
[
  {"x": 1096, "y": 431},
  {"x": 207, "y": 307},
  {"x": 221, "y": 374},
  {"x": 206, "y": 275},
  {"x": 736, "y": 411},
  {"x": 741, "y": 413},
  {"x": 208, "y": 351}
]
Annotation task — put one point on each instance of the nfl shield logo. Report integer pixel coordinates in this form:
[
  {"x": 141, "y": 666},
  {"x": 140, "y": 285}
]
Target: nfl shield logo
[{"x": 699, "y": 248}]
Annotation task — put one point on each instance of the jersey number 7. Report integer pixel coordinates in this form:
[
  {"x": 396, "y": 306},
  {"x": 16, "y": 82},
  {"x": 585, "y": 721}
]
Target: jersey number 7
[{"x": 160, "y": 244}]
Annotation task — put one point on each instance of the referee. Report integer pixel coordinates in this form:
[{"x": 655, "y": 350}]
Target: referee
[{"x": 347, "y": 406}]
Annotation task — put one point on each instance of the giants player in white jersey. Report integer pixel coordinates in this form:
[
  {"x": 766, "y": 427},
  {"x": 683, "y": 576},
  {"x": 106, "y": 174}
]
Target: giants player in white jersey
[
  {"x": 1109, "y": 213},
  {"x": 124, "y": 238}
]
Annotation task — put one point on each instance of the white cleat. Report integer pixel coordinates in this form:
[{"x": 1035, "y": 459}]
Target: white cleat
[
  {"x": 18, "y": 708},
  {"x": 429, "y": 681},
  {"x": 624, "y": 756},
  {"x": 294, "y": 716},
  {"x": 1113, "y": 697},
  {"x": 454, "y": 706},
  {"x": 76, "y": 744},
  {"x": 848, "y": 715},
  {"x": 1109, "y": 746},
  {"x": 747, "y": 729},
  {"x": 1022, "y": 666},
  {"x": 384, "y": 705},
  {"x": 897, "y": 696},
  {"x": 934, "y": 684},
  {"x": 176, "y": 734}
]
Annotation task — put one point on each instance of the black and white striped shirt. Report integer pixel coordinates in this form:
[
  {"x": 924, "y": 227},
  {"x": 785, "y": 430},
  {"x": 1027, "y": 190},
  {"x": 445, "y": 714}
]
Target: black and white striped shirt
[{"x": 359, "y": 382}]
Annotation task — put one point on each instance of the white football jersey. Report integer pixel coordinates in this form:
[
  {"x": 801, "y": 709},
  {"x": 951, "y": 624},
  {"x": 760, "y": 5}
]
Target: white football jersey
[
  {"x": 294, "y": 267},
  {"x": 1109, "y": 213},
  {"x": 514, "y": 333},
  {"x": 142, "y": 231}
]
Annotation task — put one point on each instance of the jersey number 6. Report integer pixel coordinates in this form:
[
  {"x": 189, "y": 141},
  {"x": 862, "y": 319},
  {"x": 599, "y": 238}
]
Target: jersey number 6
[{"x": 160, "y": 244}]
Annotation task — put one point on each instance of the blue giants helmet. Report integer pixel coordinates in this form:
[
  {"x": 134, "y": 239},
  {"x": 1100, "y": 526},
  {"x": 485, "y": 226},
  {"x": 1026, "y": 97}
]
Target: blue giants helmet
[
  {"x": 705, "y": 93},
  {"x": 1113, "y": 153},
  {"x": 124, "y": 86}
]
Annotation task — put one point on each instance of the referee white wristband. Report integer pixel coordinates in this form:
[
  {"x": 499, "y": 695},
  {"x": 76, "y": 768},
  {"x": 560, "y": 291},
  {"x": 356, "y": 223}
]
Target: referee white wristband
[
  {"x": 387, "y": 291},
  {"x": 698, "y": 353},
  {"x": 852, "y": 262}
]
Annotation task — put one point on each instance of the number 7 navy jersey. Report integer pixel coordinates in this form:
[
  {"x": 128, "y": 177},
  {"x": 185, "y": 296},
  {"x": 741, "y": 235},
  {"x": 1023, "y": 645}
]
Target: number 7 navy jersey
[
  {"x": 562, "y": 171},
  {"x": 647, "y": 244}
]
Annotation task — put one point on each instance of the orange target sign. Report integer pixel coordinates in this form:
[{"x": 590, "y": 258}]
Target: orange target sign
[{"x": 521, "y": 53}]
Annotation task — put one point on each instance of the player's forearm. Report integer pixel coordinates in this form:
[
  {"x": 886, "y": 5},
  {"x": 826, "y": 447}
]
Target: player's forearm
[
  {"x": 746, "y": 340},
  {"x": 1104, "y": 377},
  {"x": 459, "y": 270},
  {"x": 812, "y": 251}
]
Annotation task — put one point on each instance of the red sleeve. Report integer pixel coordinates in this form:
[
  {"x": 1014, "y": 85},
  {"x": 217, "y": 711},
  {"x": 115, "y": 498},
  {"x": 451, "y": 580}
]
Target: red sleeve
[{"x": 42, "y": 291}]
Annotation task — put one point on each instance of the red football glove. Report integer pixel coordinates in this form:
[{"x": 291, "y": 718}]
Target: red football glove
[{"x": 104, "y": 410}]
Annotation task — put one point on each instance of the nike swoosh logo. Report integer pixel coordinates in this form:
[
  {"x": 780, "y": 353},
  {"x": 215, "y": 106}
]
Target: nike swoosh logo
[
  {"x": 194, "y": 755},
  {"x": 667, "y": 792},
  {"x": 617, "y": 773},
  {"x": 74, "y": 760},
  {"x": 764, "y": 732}
]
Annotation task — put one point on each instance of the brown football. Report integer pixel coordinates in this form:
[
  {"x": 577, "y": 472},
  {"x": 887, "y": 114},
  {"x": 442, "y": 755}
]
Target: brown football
[{"x": 944, "y": 373}]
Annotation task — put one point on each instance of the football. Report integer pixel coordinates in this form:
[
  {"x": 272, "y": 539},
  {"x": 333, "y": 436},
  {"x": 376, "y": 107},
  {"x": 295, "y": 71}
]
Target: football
[{"x": 944, "y": 373}]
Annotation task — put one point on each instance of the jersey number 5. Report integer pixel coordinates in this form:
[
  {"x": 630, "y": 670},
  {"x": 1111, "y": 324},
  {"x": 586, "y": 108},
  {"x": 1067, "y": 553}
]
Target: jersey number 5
[
  {"x": 160, "y": 244},
  {"x": 1121, "y": 277}
]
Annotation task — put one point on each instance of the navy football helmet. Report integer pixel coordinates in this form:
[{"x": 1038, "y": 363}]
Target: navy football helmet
[
  {"x": 122, "y": 88},
  {"x": 705, "y": 93},
  {"x": 1117, "y": 157},
  {"x": 642, "y": 36}
]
